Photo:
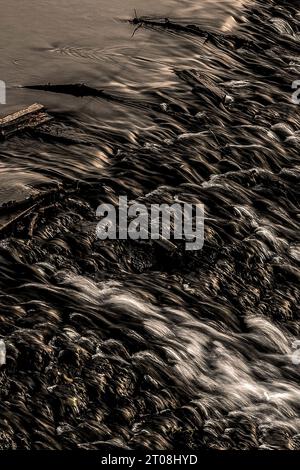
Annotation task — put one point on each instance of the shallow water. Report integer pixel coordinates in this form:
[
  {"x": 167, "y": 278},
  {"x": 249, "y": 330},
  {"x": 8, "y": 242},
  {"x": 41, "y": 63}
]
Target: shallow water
[
  {"x": 137, "y": 344},
  {"x": 86, "y": 42},
  {"x": 72, "y": 41}
]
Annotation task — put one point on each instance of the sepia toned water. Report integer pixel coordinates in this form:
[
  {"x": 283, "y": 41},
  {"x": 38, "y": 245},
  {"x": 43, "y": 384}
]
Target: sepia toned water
[
  {"x": 74, "y": 41},
  {"x": 85, "y": 41},
  {"x": 142, "y": 345}
]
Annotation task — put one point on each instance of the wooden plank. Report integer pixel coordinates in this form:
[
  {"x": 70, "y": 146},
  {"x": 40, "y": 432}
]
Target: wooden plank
[
  {"x": 36, "y": 107},
  {"x": 27, "y": 118}
]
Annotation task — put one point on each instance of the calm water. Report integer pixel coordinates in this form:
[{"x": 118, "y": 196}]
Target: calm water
[
  {"x": 72, "y": 41},
  {"x": 84, "y": 41}
]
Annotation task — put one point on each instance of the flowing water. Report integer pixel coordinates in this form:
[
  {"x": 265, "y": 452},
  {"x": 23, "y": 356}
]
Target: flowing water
[
  {"x": 137, "y": 344},
  {"x": 85, "y": 42}
]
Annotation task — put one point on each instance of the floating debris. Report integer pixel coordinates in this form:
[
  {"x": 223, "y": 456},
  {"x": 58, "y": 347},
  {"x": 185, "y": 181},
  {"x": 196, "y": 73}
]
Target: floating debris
[
  {"x": 74, "y": 89},
  {"x": 216, "y": 38},
  {"x": 202, "y": 83},
  {"x": 27, "y": 118},
  {"x": 15, "y": 212},
  {"x": 80, "y": 90}
]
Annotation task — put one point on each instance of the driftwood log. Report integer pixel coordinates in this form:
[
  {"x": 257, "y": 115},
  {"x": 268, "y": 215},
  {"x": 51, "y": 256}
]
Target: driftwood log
[
  {"x": 23, "y": 214},
  {"x": 27, "y": 118}
]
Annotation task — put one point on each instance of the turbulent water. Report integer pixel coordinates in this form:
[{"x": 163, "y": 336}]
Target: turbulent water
[{"x": 137, "y": 344}]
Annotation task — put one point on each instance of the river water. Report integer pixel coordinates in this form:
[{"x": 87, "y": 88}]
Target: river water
[
  {"x": 73, "y": 41},
  {"x": 85, "y": 41},
  {"x": 137, "y": 344}
]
